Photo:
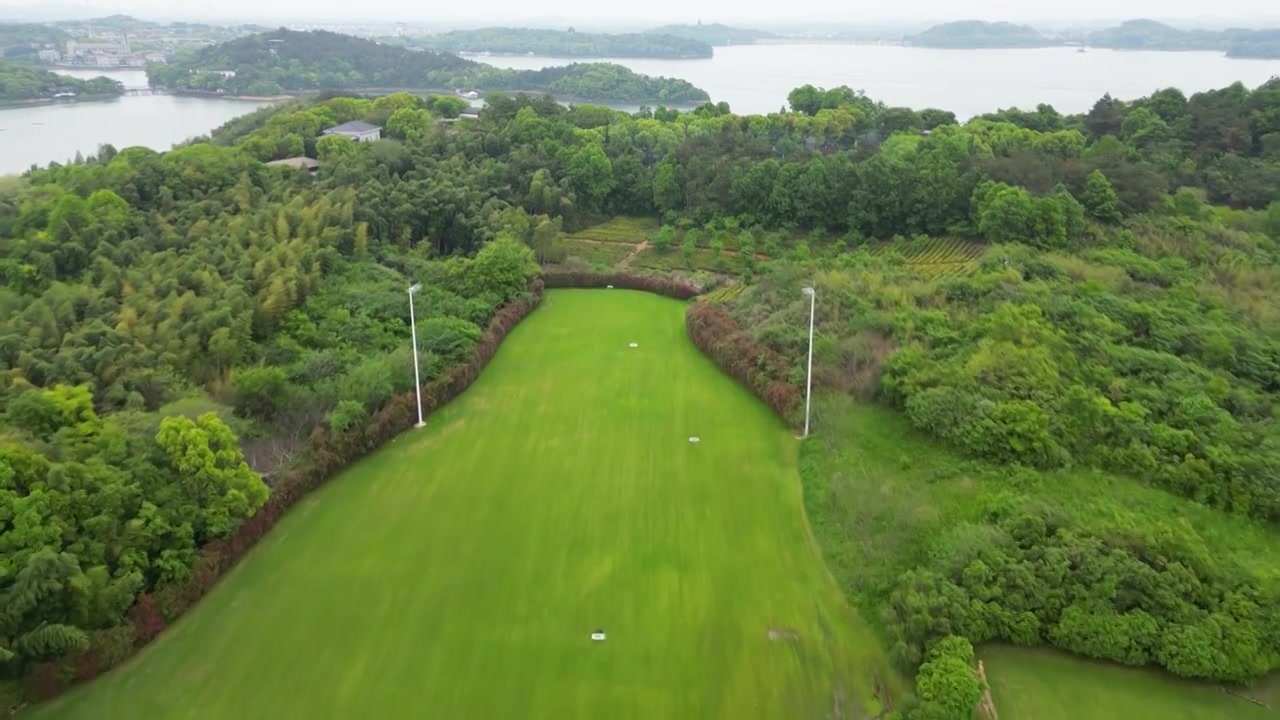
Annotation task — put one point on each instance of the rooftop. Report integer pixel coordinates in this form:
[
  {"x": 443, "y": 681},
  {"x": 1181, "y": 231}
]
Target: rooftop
[
  {"x": 355, "y": 126},
  {"x": 297, "y": 162}
]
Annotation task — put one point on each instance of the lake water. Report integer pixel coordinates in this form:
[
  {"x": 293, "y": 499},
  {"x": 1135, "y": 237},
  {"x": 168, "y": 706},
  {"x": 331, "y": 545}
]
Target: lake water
[
  {"x": 41, "y": 134},
  {"x": 751, "y": 78},
  {"x": 757, "y": 78}
]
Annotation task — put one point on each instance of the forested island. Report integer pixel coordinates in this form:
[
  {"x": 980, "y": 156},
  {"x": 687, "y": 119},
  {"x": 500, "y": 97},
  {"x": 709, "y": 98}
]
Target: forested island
[
  {"x": 714, "y": 34},
  {"x": 979, "y": 34},
  {"x": 1152, "y": 35},
  {"x": 20, "y": 82},
  {"x": 285, "y": 61},
  {"x": 1058, "y": 332},
  {"x": 562, "y": 43},
  {"x": 1129, "y": 35}
]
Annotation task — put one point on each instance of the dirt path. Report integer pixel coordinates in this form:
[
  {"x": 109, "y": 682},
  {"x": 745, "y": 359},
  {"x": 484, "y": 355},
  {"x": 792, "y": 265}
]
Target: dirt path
[
  {"x": 986, "y": 706},
  {"x": 626, "y": 261}
]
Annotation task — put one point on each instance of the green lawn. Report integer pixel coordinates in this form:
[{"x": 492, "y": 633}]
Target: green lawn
[
  {"x": 459, "y": 572},
  {"x": 1045, "y": 685}
]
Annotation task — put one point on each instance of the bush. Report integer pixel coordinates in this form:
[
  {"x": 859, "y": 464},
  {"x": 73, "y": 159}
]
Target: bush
[
  {"x": 659, "y": 285},
  {"x": 762, "y": 370},
  {"x": 1134, "y": 596},
  {"x": 260, "y": 392},
  {"x": 946, "y": 684}
]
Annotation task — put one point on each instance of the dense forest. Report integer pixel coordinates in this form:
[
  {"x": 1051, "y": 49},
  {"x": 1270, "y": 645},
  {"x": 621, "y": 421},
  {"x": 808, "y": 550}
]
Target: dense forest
[
  {"x": 22, "y": 82},
  {"x": 980, "y": 34},
  {"x": 178, "y": 325},
  {"x": 714, "y": 34},
  {"x": 286, "y": 61},
  {"x": 562, "y": 43}
]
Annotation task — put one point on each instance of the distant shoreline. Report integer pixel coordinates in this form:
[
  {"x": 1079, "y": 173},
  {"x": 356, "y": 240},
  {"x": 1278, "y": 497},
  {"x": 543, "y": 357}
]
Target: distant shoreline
[{"x": 33, "y": 102}]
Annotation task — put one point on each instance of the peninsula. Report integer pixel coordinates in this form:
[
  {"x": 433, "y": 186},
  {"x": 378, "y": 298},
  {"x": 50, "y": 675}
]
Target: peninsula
[{"x": 285, "y": 61}]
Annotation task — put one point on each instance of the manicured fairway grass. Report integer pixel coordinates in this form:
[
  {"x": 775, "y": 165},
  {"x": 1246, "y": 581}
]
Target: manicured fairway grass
[
  {"x": 459, "y": 572},
  {"x": 1046, "y": 685}
]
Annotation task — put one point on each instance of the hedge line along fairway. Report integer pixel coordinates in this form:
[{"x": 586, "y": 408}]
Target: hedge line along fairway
[{"x": 459, "y": 572}]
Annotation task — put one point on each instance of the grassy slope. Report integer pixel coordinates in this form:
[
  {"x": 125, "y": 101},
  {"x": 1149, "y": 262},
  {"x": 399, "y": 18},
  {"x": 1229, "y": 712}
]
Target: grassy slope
[
  {"x": 1047, "y": 685},
  {"x": 458, "y": 572},
  {"x": 877, "y": 493}
]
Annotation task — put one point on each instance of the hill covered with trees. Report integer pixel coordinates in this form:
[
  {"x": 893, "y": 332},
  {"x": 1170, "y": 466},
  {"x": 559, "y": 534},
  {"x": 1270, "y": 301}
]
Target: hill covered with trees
[
  {"x": 287, "y": 61},
  {"x": 980, "y": 34},
  {"x": 563, "y": 43},
  {"x": 1152, "y": 35},
  {"x": 1098, "y": 376},
  {"x": 19, "y": 82},
  {"x": 22, "y": 41},
  {"x": 714, "y": 34},
  {"x": 1128, "y": 35}
]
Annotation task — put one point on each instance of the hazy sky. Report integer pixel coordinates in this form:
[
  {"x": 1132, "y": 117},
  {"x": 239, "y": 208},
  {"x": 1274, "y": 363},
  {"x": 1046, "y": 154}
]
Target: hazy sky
[{"x": 506, "y": 12}]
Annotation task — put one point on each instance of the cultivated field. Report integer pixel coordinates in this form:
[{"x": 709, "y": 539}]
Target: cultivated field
[
  {"x": 459, "y": 572},
  {"x": 934, "y": 257}
]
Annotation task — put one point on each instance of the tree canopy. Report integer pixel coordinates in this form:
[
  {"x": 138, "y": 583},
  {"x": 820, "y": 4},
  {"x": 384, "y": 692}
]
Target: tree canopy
[{"x": 22, "y": 82}]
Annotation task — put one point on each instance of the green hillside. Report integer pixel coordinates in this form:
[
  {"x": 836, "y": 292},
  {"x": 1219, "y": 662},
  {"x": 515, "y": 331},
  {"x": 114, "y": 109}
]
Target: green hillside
[
  {"x": 288, "y": 61},
  {"x": 715, "y": 34},
  {"x": 980, "y": 34},
  {"x": 563, "y": 43}
]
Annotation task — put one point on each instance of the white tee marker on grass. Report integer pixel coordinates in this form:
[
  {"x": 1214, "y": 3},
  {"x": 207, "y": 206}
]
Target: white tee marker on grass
[
  {"x": 597, "y": 635},
  {"x": 695, "y": 439},
  {"x": 635, "y": 345}
]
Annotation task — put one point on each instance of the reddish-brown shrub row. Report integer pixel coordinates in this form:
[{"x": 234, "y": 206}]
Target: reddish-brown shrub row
[
  {"x": 657, "y": 284},
  {"x": 326, "y": 455},
  {"x": 761, "y": 369}
]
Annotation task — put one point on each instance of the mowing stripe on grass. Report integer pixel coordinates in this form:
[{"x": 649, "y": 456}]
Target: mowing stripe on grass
[{"x": 460, "y": 571}]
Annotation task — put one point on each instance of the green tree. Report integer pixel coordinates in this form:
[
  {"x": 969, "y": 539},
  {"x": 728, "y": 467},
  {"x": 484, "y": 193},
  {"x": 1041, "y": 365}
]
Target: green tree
[
  {"x": 1099, "y": 198},
  {"x": 211, "y": 474},
  {"x": 503, "y": 268},
  {"x": 332, "y": 148},
  {"x": 1271, "y": 220},
  {"x": 663, "y": 239},
  {"x": 261, "y": 392},
  {"x": 947, "y": 681},
  {"x": 589, "y": 174}
]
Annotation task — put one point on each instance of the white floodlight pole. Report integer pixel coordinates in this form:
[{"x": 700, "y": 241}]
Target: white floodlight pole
[
  {"x": 413, "y": 328},
  {"x": 808, "y": 385}
]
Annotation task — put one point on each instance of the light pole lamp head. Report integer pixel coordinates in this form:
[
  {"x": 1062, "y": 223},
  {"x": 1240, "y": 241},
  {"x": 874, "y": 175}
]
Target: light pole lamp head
[
  {"x": 415, "y": 288},
  {"x": 810, "y": 292}
]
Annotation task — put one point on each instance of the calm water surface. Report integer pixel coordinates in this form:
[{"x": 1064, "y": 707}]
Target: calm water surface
[
  {"x": 41, "y": 134},
  {"x": 757, "y": 78},
  {"x": 751, "y": 78}
]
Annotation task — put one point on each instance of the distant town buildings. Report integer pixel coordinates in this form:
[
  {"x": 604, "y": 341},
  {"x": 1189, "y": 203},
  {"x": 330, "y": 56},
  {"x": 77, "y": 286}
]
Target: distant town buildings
[
  {"x": 103, "y": 53},
  {"x": 49, "y": 56}
]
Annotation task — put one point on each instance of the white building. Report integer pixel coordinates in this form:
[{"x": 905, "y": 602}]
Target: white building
[
  {"x": 356, "y": 130},
  {"x": 50, "y": 56}
]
